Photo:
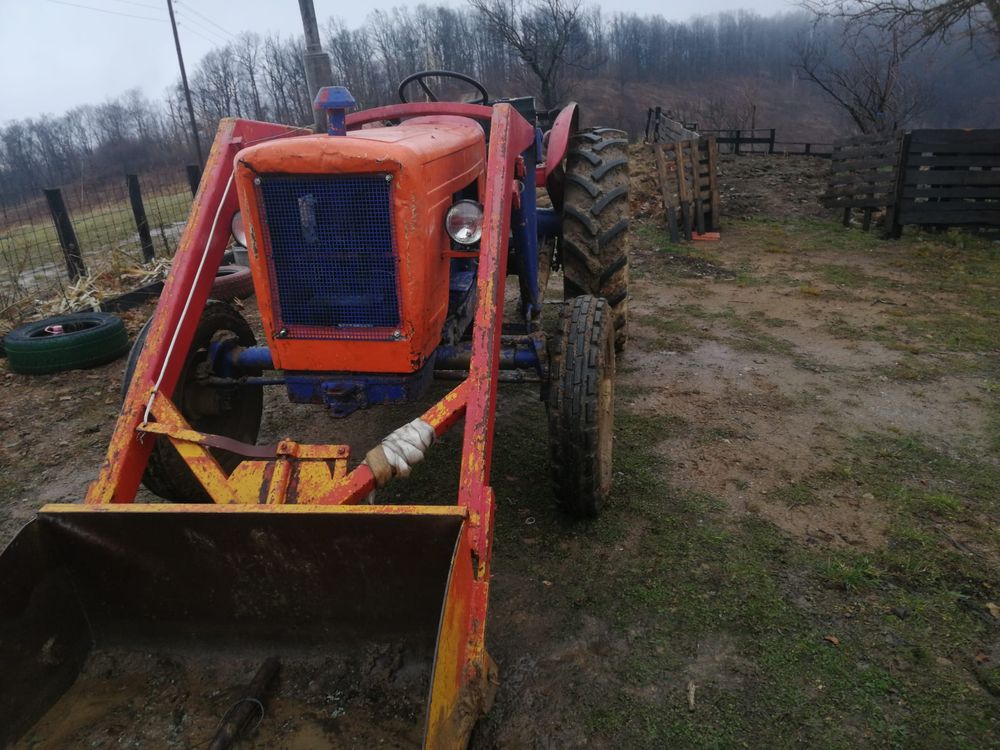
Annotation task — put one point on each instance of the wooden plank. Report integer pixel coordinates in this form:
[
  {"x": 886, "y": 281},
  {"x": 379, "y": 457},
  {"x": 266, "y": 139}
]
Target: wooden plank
[
  {"x": 683, "y": 193},
  {"x": 959, "y": 216},
  {"x": 668, "y": 193},
  {"x": 950, "y": 177},
  {"x": 713, "y": 183},
  {"x": 954, "y": 160},
  {"x": 952, "y": 204},
  {"x": 859, "y": 203},
  {"x": 860, "y": 188},
  {"x": 861, "y": 181},
  {"x": 699, "y": 207},
  {"x": 856, "y": 140},
  {"x": 893, "y": 224},
  {"x": 882, "y": 162},
  {"x": 864, "y": 152},
  {"x": 985, "y": 137},
  {"x": 991, "y": 192},
  {"x": 956, "y": 148}
]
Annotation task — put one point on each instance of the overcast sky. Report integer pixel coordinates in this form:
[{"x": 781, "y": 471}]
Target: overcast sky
[{"x": 56, "y": 54}]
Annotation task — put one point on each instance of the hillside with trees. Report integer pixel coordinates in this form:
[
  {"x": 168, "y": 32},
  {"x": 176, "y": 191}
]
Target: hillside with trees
[{"x": 791, "y": 71}]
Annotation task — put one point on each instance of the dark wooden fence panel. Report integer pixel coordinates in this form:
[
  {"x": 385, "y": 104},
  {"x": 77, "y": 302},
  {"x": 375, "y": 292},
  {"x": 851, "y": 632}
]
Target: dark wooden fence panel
[
  {"x": 863, "y": 175},
  {"x": 950, "y": 177}
]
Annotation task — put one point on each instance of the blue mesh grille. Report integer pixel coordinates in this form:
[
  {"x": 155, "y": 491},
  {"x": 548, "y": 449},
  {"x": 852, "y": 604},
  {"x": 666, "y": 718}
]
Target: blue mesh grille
[{"x": 333, "y": 264}]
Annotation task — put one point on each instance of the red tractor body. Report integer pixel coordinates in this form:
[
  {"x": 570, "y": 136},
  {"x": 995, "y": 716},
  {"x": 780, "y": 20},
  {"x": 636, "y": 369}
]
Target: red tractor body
[{"x": 347, "y": 241}]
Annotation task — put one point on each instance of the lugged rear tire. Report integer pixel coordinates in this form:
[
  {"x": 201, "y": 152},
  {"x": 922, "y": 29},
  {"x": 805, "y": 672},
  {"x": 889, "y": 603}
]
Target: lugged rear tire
[
  {"x": 581, "y": 406},
  {"x": 240, "y": 409},
  {"x": 595, "y": 221}
]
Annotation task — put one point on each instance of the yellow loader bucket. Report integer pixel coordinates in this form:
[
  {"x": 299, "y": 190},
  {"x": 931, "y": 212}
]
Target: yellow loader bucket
[{"x": 142, "y": 627}]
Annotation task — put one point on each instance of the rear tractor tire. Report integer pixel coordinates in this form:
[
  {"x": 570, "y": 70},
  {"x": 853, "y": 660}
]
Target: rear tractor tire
[
  {"x": 595, "y": 221},
  {"x": 581, "y": 405},
  {"x": 232, "y": 411}
]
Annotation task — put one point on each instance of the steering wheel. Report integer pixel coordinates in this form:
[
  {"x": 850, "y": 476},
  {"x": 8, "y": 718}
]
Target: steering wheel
[{"x": 421, "y": 75}]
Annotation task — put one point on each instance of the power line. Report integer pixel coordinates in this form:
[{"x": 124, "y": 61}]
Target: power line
[
  {"x": 140, "y": 5},
  {"x": 192, "y": 30},
  {"x": 189, "y": 22},
  {"x": 109, "y": 12},
  {"x": 202, "y": 16}
]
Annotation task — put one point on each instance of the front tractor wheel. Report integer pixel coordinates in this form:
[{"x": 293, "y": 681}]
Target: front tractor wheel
[
  {"x": 232, "y": 411},
  {"x": 581, "y": 405},
  {"x": 595, "y": 220}
]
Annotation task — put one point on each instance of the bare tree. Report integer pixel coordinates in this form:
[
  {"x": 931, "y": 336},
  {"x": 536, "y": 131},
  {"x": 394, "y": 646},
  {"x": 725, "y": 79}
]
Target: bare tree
[
  {"x": 550, "y": 37},
  {"x": 866, "y": 79},
  {"x": 919, "y": 20}
]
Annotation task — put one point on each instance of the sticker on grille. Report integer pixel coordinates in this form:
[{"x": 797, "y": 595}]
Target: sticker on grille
[{"x": 333, "y": 263}]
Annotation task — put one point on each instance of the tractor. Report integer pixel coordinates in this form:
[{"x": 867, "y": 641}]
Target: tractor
[{"x": 379, "y": 252}]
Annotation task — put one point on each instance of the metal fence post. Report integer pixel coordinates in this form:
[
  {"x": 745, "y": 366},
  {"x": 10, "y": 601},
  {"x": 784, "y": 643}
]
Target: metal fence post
[
  {"x": 739, "y": 134},
  {"x": 194, "y": 177},
  {"x": 770, "y": 143},
  {"x": 139, "y": 212},
  {"x": 67, "y": 235}
]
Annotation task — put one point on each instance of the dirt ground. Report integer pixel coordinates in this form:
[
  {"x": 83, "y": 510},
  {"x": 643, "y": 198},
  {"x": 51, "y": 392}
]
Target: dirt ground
[{"x": 801, "y": 548}]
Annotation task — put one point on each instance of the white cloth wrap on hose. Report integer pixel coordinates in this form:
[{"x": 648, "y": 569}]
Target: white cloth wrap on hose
[{"x": 405, "y": 448}]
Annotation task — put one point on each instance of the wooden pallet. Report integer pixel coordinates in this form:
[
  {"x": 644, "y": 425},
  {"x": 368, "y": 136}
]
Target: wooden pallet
[
  {"x": 863, "y": 176},
  {"x": 949, "y": 178},
  {"x": 689, "y": 186}
]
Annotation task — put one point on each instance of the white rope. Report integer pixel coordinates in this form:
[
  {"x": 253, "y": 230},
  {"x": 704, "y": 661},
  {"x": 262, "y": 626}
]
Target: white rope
[
  {"x": 187, "y": 302},
  {"x": 405, "y": 448}
]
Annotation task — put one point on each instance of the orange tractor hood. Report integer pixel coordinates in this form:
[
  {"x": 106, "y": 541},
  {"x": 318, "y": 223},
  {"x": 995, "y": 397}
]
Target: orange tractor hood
[{"x": 415, "y": 168}]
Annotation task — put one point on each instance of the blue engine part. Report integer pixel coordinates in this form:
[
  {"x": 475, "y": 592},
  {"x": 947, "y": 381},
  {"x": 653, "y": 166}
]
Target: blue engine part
[{"x": 344, "y": 393}]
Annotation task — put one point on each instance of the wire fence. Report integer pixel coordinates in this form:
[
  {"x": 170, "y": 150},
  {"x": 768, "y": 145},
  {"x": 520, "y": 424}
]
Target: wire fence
[{"x": 101, "y": 237}]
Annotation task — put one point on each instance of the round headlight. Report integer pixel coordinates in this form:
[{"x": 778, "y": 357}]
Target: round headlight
[
  {"x": 239, "y": 233},
  {"x": 464, "y": 222}
]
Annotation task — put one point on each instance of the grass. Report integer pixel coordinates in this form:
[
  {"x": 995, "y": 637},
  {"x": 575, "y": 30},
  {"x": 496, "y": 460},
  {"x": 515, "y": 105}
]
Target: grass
[{"x": 786, "y": 645}]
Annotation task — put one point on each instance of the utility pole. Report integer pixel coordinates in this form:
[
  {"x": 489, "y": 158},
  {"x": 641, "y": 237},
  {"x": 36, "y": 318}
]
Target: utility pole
[
  {"x": 317, "y": 62},
  {"x": 187, "y": 90}
]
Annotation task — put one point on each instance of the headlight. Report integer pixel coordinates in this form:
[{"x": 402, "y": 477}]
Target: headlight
[
  {"x": 464, "y": 222},
  {"x": 239, "y": 233}
]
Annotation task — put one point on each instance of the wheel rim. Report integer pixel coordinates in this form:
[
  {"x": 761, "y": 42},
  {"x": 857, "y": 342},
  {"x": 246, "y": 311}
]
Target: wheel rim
[{"x": 64, "y": 328}]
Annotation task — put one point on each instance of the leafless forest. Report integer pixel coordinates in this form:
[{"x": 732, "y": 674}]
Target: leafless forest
[{"x": 809, "y": 75}]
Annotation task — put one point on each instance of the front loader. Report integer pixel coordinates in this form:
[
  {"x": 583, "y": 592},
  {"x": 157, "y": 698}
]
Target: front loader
[{"x": 379, "y": 253}]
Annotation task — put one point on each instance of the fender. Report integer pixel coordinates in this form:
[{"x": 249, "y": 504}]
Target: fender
[
  {"x": 550, "y": 173},
  {"x": 566, "y": 123}
]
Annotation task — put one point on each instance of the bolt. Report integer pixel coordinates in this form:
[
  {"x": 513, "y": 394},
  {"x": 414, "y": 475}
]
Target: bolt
[
  {"x": 397, "y": 334},
  {"x": 282, "y": 333},
  {"x": 388, "y": 178},
  {"x": 256, "y": 180}
]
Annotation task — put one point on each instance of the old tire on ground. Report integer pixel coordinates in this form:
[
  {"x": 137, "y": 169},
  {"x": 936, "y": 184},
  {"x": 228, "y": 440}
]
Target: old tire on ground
[
  {"x": 88, "y": 340},
  {"x": 581, "y": 405},
  {"x": 231, "y": 411},
  {"x": 232, "y": 282},
  {"x": 595, "y": 221}
]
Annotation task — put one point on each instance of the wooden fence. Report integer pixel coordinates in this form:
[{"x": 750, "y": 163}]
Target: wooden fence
[
  {"x": 764, "y": 141},
  {"x": 937, "y": 178},
  {"x": 662, "y": 128},
  {"x": 949, "y": 178},
  {"x": 863, "y": 176},
  {"x": 689, "y": 186}
]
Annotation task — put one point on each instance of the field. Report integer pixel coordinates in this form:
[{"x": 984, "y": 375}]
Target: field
[
  {"x": 802, "y": 545},
  {"x": 32, "y": 264}
]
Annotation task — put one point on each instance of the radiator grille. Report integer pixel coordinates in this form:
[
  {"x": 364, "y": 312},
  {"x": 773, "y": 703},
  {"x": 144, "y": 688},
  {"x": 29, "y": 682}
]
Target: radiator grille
[{"x": 332, "y": 257}]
